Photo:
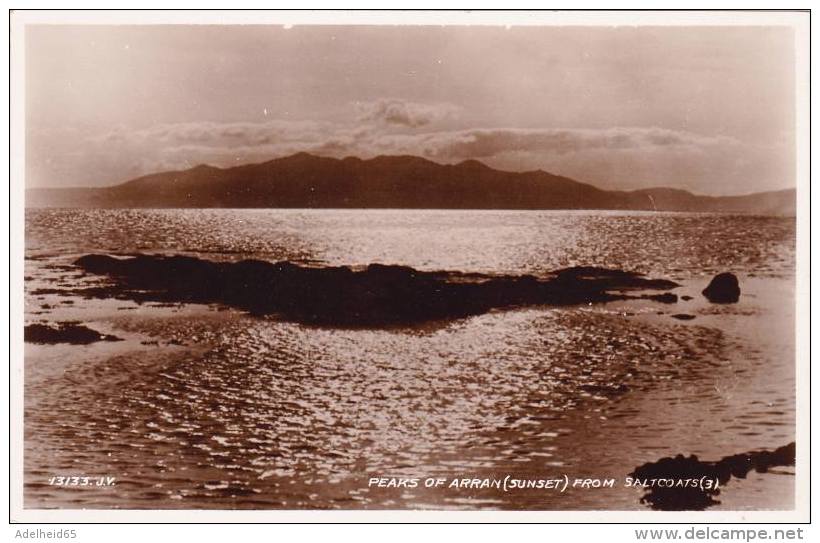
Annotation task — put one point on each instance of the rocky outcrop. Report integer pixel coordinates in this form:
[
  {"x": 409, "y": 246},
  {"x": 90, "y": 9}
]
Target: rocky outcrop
[
  {"x": 376, "y": 295},
  {"x": 64, "y": 332},
  {"x": 688, "y": 484},
  {"x": 723, "y": 289}
]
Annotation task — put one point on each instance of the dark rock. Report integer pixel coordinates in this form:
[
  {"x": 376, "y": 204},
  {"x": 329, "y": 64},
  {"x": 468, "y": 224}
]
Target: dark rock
[
  {"x": 683, "y": 317},
  {"x": 682, "y": 495},
  {"x": 685, "y": 298},
  {"x": 723, "y": 289},
  {"x": 665, "y": 298},
  {"x": 379, "y": 295},
  {"x": 64, "y": 332}
]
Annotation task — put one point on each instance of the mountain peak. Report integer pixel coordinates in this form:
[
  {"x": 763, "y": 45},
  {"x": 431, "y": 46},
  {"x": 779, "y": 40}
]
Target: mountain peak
[
  {"x": 300, "y": 156},
  {"x": 400, "y": 160},
  {"x": 473, "y": 165}
]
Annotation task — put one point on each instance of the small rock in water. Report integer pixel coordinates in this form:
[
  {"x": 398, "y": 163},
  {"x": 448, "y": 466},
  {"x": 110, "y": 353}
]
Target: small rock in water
[
  {"x": 683, "y": 317},
  {"x": 665, "y": 298},
  {"x": 723, "y": 289},
  {"x": 64, "y": 332}
]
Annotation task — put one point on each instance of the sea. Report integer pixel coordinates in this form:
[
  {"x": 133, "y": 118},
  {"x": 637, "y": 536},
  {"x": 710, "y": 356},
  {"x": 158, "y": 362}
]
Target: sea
[{"x": 207, "y": 407}]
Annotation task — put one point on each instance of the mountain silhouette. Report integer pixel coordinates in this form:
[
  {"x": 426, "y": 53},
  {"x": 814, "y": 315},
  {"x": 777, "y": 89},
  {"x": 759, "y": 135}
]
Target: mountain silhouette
[{"x": 308, "y": 181}]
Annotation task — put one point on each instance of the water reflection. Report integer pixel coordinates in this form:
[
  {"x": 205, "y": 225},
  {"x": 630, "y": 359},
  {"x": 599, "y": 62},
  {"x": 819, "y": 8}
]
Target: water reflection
[{"x": 200, "y": 407}]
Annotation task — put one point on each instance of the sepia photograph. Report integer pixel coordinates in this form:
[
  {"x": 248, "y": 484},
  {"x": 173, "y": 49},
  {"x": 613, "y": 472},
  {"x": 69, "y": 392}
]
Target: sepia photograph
[{"x": 388, "y": 261}]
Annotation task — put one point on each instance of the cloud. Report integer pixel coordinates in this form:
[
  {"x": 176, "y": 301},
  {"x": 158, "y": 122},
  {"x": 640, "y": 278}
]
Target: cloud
[
  {"x": 275, "y": 137},
  {"x": 488, "y": 143},
  {"x": 218, "y": 135},
  {"x": 403, "y": 113}
]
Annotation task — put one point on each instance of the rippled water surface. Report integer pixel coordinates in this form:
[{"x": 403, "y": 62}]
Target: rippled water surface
[{"x": 205, "y": 407}]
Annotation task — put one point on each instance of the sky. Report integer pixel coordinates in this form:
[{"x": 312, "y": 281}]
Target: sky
[{"x": 706, "y": 109}]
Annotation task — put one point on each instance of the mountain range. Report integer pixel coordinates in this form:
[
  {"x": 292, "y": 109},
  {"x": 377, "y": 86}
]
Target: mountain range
[{"x": 308, "y": 181}]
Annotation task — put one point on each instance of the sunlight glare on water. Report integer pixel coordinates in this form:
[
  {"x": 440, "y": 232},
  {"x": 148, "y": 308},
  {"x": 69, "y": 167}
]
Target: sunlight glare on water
[{"x": 205, "y": 407}]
